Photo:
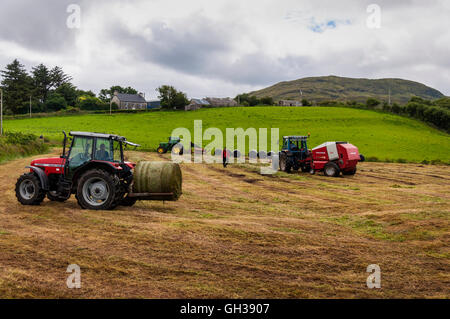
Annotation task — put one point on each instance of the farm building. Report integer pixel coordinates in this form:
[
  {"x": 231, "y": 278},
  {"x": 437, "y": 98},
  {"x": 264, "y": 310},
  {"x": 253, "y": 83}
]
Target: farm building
[
  {"x": 196, "y": 104},
  {"x": 129, "y": 101},
  {"x": 218, "y": 102},
  {"x": 156, "y": 104},
  {"x": 289, "y": 103}
]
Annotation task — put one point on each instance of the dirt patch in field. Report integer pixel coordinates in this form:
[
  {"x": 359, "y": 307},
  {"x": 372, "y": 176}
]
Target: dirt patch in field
[{"x": 235, "y": 233}]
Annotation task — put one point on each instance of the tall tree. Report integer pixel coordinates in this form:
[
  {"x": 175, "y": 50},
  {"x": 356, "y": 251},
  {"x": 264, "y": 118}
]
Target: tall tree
[
  {"x": 17, "y": 87},
  {"x": 58, "y": 77},
  {"x": 69, "y": 92},
  {"x": 171, "y": 98},
  {"x": 42, "y": 81}
]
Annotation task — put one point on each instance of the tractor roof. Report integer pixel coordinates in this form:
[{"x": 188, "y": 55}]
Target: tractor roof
[
  {"x": 294, "y": 137},
  {"x": 102, "y": 135}
]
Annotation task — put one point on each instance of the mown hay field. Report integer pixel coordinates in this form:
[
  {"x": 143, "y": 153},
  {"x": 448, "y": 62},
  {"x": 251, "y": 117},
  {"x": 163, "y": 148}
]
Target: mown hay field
[{"x": 237, "y": 234}]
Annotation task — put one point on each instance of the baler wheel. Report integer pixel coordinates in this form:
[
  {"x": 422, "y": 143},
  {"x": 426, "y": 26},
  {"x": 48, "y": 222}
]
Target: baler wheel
[{"x": 331, "y": 169}]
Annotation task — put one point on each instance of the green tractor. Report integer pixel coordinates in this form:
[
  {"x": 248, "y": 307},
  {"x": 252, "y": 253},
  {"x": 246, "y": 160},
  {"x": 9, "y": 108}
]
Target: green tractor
[{"x": 171, "y": 145}]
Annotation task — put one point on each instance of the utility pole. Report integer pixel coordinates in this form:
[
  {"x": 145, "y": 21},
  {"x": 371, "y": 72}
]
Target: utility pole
[
  {"x": 1, "y": 111},
  {"x": 389, "y": 96}
]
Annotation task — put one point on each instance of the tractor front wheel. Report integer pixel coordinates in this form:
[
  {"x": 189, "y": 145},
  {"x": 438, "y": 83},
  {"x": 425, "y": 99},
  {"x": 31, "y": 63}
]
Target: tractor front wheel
[
  {"x": 96, "y": 190},
  {"x": 29, "y": 190},
  {"x": 161, "y": 150},
  {"x": 331, "y": 169}
]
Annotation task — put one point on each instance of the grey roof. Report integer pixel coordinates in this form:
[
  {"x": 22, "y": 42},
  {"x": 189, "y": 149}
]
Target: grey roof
[
  {"x": 135, "y": 98},
  {"x": 200, "y": 101}
]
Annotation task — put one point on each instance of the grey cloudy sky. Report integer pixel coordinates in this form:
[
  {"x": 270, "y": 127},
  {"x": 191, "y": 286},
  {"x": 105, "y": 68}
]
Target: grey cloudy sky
[{"x": 225, "y": 47}]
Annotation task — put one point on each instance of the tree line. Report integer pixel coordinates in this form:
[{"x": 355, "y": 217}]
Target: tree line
[
  {"x": 434, "y": 112},
  {"x": 51, "y": 90}
]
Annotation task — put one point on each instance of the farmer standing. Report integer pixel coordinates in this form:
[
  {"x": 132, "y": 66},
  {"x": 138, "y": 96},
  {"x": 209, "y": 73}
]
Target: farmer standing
[{"x": 225, "y": 157}]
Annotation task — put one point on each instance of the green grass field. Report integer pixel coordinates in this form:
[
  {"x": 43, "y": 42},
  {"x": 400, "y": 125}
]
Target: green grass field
[{"x": 385, "y": 136}]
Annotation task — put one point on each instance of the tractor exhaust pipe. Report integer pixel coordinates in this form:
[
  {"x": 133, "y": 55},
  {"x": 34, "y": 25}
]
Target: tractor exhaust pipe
[{"x": 64, "y": 145}]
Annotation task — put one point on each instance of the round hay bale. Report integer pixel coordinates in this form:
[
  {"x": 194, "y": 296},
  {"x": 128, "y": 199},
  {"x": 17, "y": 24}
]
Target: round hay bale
[
  {"x": 253, "y": 154},
  {"x": 158, "y": 177},
  {"x": 262, "y": 154},
  {"x": 218, "y": 152}
]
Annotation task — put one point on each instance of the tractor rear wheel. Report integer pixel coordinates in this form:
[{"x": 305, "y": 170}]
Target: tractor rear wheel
[
  {"x": 97, "y": 190},
  {"x": 331, "y": 169},
  {"x": 29, "y": 190},
  {"x": 284, "y": 165},
  {"x": 177, "y": 150}
]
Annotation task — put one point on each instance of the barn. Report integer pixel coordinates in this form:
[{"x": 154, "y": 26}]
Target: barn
[{"x": 129, "y": 101}]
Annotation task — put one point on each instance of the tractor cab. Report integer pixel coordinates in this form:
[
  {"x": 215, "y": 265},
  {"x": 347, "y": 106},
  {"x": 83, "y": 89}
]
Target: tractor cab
[
  {"x": 295, "y": 145},
  {"x": 294, "y": 154},
  {"x": 93, "y": 147}
]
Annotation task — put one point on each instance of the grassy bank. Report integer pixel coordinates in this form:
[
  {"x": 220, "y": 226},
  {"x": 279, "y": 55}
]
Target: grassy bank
[
  {"x": 379, "y": 136},
  {"x": 15, "y": 145}
]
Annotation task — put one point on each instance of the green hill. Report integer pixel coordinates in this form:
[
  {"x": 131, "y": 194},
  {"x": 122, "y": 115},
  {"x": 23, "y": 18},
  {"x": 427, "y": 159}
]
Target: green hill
[
  {"x": 324, "y": 88},
  {"x": 385, "y": 136}
]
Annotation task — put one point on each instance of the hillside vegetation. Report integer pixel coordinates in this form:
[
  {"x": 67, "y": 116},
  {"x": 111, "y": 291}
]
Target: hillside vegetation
[
  {"x": 318, "y": 89},
  {"x": 377, "y": 135},
  {"x": 14, "y": 145}
]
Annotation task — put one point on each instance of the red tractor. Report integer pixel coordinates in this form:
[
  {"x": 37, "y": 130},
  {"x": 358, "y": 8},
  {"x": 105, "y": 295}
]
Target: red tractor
[
  {"x": 331, "y": 157},
  {"x": 93, "y": 169}
]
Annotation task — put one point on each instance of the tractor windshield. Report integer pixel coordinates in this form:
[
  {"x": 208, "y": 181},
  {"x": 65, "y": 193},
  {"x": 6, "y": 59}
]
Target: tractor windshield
[
  {"x": 294, "y": 144},
  {"x": 107, "y": 150},
  {"x": 81, "y": 151}
]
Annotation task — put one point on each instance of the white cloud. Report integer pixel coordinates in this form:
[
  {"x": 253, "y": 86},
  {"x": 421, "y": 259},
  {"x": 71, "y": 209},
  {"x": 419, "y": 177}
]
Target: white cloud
[{"x": 225, "y": 47}]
